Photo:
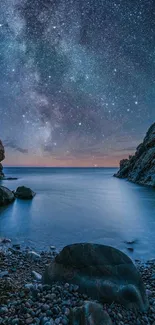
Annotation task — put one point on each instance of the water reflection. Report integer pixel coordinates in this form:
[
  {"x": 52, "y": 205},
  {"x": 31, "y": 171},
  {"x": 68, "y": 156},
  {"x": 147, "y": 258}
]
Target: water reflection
[{"x": 74, "y": 205}]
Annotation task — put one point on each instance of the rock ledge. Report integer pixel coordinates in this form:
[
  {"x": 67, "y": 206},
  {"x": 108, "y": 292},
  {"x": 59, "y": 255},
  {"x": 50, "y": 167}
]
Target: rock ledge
[{"x": 140, "y": 168}]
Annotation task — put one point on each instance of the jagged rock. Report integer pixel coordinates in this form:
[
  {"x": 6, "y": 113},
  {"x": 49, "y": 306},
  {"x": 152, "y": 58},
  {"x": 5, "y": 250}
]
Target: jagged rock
[
  {"x": 102, "y": 272},
  {"x": 90, "y": 313},
  {"x": 6, "y": 196},
  {"x": 5, "y": 241},
  {"x": 2, "y": 156},
  {"x": 23, "y": 192},
  {"x": 140, "y": 168}
]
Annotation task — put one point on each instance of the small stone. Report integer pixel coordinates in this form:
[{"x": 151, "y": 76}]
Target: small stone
[
  {"x": 15, "y": 321},
  {"x": 6, "y": 241},
  {"x": 29, "y": 320},
  {"x": 3, "y": 274},
  {"x": 36, "y": 275},
  {"x": 148, "y": 292},
  {"x": 52, "y": 248},
  {"x": 17, "y": 246},
  {"x": 67, "y": 311},
  {"x": 28, "y": 286},
  {"x": 131, "y": 249},
  {"x": 33, "y": 255},
  {"x": 49, "y": 313},
  {"x": 3, "y": 310},
  {"x": 45, "y": 307},
  {"x": 51, "y": 322}
]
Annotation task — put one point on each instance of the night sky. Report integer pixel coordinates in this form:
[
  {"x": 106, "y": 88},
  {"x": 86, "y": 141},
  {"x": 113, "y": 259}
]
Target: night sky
[{"x": 77, "y": 80}]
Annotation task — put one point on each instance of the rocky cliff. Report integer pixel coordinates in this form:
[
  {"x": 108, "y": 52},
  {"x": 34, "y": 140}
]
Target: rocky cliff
[
  {"x": 2, "y": 156},
  {"x": 140, "y": 168}
]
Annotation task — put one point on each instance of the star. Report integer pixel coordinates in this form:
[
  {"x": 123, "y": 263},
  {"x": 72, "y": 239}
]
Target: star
[{"x": 76, "y": 79}]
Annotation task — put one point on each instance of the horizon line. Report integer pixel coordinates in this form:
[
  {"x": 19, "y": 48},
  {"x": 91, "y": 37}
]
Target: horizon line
[{"x": 32, "y": 166}]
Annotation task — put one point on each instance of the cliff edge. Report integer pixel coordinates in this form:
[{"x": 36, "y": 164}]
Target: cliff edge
[
  {"x": 2, "y": 156},
  {"x": 140, "y": 168}
]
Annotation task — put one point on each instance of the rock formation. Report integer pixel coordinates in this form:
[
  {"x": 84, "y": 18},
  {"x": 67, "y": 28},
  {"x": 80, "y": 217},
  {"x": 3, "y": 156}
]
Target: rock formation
[
  {"x": 6, "y": 196},
  {"x": 140, "y": 168},
  {"x": 23, "y": 192},
  {"x": 101, "y": 272},
  {"x": 91, "y": 313},
  {"x": 2, "y": 156}
]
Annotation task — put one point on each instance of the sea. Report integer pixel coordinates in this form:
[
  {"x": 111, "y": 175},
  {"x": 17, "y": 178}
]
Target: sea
[{"x": 75, "y": 205}]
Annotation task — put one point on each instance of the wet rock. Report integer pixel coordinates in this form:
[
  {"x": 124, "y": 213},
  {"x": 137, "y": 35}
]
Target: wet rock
[
  {"x": 6, "y": 196},
  {"x": 16, "y": 246},
  {"x": 9, "y": 178},
  {"x": 102, "y": 272},
  {"x": 2, "y": 157},
  {"x": 3, "y": 274},
  {"x": 33, "y": 255},
  {"x": 130, "y": 249},
  {"x": 131, "y": 242},
  {"x": 3, "y": 310},
  {"x": 140, "y": 168},
  {"x": 23, "y": 192},
  {"x": 6, "y": 241},
  {"x": 36, "y": 275},
  {"x": 90, "y": 313},
  {"x": 52, "y": 248}
]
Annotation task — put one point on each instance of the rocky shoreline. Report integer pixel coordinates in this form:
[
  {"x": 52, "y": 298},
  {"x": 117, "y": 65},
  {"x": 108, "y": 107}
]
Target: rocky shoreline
[
  {"x": 25, "y": 300},
  {"x": 140, "y": 168}
]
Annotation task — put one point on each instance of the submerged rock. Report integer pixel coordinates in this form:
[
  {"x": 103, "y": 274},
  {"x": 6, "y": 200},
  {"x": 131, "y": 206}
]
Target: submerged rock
[
  {"x": 102, "y": 272},
  {"x": 23, "y": 192},
  {"x": 90, "y": 313},
  {"x": 9, "y": 178},
  {"x": 5, "y": 241},
  {"x": 140, "y": 168},
  {"x": 6, "y": 196}
]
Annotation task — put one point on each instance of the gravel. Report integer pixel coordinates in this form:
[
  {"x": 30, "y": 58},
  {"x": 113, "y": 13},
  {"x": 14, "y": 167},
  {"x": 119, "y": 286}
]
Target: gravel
[{"x": 24, "y": 300}]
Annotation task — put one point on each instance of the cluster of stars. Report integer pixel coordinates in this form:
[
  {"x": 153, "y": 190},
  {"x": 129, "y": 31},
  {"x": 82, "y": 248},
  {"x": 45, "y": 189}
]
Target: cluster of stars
[{"x": 76, "y": 77}]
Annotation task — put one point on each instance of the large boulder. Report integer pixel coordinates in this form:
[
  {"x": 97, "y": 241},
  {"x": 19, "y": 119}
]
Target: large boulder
[
  {"x": 25, "y": 193},
  {"x": 140, "y": 168},
  {"x": 102, "y": 272},
  {"x": 6, "y": 196},
  {"x": 91, "y": 313},
  {"x": 1, "y": 172}
]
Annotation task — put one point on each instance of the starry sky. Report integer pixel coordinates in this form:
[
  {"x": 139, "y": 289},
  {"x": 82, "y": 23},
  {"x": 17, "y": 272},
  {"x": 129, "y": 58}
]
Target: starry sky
[{"x": 77, "y": 80}]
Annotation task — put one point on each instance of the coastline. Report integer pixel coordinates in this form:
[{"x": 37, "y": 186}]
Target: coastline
[{"x": 24, "y": 300}]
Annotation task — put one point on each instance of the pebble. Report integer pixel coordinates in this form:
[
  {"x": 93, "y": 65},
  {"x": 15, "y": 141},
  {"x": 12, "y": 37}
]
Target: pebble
[
  {"x": 52, "y": 248},
  {"x": 6, "y": 241},
  {"x": 29, "y": 302},
  {"x": 36, "y": 275},
  {"x": 3, "y": 273},
  {"x": 33, "y": 255},
  {"x": 3, "y": 310},
  {"x": 17, "y": 246}
]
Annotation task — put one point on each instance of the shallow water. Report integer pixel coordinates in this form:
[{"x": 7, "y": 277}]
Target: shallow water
[{"x": 79, "y": 205}]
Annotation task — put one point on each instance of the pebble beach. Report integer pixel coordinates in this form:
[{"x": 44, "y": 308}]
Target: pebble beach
[{"x": 25, "y": 300}]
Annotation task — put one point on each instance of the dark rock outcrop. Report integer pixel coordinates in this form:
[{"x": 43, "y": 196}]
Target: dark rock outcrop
[
  {"x": 2, "y": 156},
  {"x": 6, "y": 196},
  {"x": 102, "y": 272},
  {"x": 25, "y": 193},
  {"x": 140, "y": 168},
  {"x": 88, "y": 314}
]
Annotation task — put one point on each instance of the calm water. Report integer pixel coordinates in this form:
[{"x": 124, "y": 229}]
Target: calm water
[{"x": 80, "y": 204}]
